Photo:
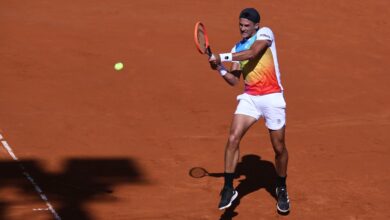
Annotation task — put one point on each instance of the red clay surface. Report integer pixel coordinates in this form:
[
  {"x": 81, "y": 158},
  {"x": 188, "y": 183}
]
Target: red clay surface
[{"x": 104, "y": 144}]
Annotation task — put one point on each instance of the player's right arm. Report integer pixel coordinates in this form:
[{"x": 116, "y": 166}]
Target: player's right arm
[{"x": 233, "y": 76}]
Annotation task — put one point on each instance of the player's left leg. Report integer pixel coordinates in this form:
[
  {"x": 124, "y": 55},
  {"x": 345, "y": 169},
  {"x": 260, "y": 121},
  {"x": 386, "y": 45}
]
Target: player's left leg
[
  {"x": 273, "y": 107},
  {"x": 281, "y": 161},
  {"x": 281, "y": 153}
]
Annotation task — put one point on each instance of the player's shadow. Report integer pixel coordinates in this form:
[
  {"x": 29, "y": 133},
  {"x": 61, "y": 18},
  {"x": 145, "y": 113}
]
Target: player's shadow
[
  {"x": 259, "y": 174},
  {"x": 80, "y": 182},
  {"x": 2, "y": 209}
]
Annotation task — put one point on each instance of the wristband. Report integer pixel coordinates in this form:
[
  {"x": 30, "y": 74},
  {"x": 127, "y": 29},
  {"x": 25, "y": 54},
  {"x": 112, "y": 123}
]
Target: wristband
[
  {"x": 222, "y": 71},
  {"x": 226, "y": 57}
]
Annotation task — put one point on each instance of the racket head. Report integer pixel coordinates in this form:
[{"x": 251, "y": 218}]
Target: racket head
[
  {"x": 198, "y": 172},
  {"x": 201, "y": 39}
]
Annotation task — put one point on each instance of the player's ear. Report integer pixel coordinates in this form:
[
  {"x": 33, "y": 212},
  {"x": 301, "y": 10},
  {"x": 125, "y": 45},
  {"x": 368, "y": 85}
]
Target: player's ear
[{"x": 257, "y": 26}]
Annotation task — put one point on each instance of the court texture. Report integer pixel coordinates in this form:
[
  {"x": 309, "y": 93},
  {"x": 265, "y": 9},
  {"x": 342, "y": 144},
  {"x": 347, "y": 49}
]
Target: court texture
[{"x": 80, "y": 140}]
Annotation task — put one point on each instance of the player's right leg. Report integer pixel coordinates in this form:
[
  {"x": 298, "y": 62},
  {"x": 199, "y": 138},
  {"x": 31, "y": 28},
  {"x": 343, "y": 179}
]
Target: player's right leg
[{"x": 240, "y": 125}]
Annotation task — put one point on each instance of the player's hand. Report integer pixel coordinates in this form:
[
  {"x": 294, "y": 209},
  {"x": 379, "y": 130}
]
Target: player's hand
[
  {"x": 221, "y": 67},
  {"x": 213, "y": 66},
  {"x": 214, "y": 61}
]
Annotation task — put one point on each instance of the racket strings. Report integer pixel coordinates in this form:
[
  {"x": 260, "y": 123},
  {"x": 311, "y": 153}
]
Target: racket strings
[{"x": 201, "y": 39}]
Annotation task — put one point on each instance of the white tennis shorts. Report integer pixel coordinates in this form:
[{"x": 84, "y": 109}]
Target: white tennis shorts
[{"x": 271, "y": 106}]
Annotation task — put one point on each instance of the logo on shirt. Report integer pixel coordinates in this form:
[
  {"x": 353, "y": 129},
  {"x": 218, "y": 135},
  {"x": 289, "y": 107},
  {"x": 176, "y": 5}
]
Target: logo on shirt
[{"x": 264, "y": 35}]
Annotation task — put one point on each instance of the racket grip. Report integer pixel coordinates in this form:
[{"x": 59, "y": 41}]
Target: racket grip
[{"x": 208, "y": 51}]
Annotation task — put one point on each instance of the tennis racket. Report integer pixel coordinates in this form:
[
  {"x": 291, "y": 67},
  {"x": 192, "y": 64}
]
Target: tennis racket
[
  {"x": 198, "y": 172},
  {"x": 202, "y": 43},
  {"x": 201, "y": 39}
]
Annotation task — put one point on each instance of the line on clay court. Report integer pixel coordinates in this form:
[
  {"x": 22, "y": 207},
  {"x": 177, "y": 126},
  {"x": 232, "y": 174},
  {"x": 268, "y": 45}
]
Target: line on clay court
[
  {"x": 41, "y": 209},
  {"x": 28, "y": 176}
]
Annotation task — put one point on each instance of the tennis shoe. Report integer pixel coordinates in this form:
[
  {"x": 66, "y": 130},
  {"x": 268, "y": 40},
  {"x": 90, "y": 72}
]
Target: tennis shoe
[
  {"x": 228, "y": 195},
  {"x": 283, "y": 204}
]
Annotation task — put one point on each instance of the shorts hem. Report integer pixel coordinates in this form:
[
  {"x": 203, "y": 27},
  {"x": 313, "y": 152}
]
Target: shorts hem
[
  {"x": 246, "y": 114},
  {"x": 275, "y": 129}
]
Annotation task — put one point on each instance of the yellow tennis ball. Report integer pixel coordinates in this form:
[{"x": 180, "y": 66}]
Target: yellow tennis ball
[{"x": 118, "y": 66}]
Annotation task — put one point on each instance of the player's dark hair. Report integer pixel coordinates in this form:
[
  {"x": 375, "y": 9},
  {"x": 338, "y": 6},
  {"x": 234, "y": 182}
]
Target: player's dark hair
[{"x": 250, "y": 14}]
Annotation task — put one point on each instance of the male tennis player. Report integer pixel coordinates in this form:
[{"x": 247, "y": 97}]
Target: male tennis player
[{"x": 255, "y": 58}]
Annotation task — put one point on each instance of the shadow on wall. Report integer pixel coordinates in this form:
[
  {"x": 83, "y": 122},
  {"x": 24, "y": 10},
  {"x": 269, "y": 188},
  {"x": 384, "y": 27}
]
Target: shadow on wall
[{"x": 80, "y": 182}]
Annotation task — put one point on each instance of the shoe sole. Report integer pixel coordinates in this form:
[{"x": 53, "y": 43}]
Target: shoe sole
[
  {"x": 281, "y": 210},
  {"x": 231, "y": 201}
]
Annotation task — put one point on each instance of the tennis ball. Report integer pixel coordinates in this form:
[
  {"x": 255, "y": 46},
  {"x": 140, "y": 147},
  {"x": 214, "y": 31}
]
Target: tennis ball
[{"x": 118, "y": 66}]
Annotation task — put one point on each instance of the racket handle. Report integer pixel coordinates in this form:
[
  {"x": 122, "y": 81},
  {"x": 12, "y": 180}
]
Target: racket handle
[{"x": 208, "y": 51}]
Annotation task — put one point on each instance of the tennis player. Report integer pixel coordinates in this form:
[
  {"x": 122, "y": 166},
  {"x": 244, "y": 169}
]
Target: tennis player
[{"x": 254, "y": 57}]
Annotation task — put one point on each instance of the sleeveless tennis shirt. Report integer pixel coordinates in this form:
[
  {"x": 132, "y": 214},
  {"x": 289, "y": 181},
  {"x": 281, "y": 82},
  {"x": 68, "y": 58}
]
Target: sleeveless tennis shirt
[{"x": 261, "y": 75}]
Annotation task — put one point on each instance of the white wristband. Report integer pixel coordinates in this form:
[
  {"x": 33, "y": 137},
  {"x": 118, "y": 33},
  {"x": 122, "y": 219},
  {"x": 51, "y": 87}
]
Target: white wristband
[
  {"x": 226, "y": 57},
  {"x": 222, "y": 70}
]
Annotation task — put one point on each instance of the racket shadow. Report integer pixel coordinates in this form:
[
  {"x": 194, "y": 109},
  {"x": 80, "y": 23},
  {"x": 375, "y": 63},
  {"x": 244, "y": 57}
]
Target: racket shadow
[
  {"x": 201, "y": 172},
  {"x": 216, "y": 174},
  {"x": 259, "y": 174}
]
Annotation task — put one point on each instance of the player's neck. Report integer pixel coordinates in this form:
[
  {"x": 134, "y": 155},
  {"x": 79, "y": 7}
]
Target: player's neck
[
  {"x": 247, "y": 38},
  {"x": 253, "y": 34}
]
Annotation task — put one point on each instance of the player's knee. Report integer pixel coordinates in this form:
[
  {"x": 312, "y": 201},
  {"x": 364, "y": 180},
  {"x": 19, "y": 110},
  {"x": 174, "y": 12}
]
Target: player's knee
[
  {"x": 234, "y": 140},
  {"x": 280, "y": 148}
]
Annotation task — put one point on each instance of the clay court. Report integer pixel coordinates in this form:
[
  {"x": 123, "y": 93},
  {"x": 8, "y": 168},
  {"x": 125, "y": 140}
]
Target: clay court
[{"x": 82, "y": 141}]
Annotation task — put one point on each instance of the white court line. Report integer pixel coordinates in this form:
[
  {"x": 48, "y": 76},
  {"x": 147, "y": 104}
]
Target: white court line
[
  {"x": 28, "y": 176},
  {"x": 41, "y": 209}
]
